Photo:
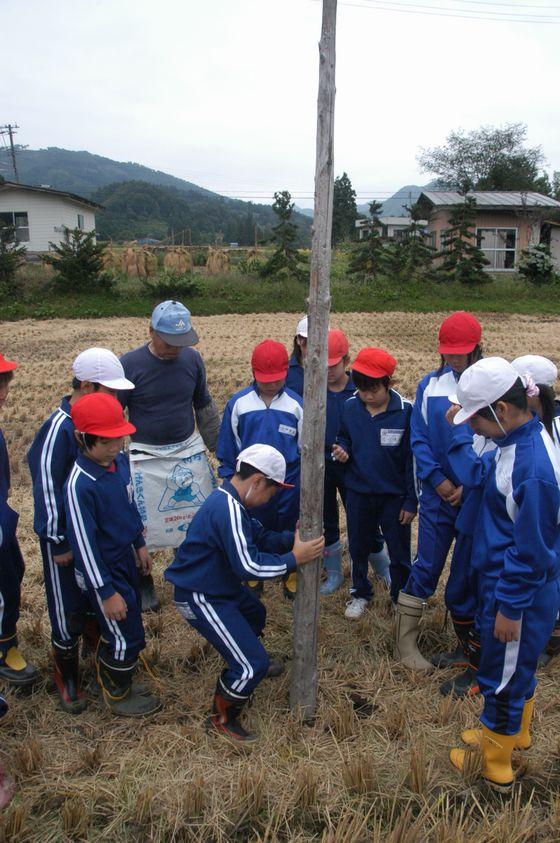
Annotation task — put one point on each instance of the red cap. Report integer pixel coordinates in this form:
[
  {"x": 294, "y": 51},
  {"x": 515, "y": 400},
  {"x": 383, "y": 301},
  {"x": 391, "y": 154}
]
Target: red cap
[
  {"x": 374, "y": 362},
  {"x": 100, "y": 414},
  {"x": 6, "y": 365},
  {"x": 459, "y": 333},
  {"x": 269, "y": 361},
  {"x": 338, "y": 347}
]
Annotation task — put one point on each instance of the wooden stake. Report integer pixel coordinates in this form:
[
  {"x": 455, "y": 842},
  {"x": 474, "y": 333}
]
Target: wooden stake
[{"x": 303, "y": 694}]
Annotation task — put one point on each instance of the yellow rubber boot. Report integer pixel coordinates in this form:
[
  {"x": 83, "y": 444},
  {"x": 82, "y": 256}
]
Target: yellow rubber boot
[
  {"x": 290, "y": 586},
  {"x": 473, "y": 737},
  {"x": 14, "y": 668},
  {"x": 497, "y": 750}
]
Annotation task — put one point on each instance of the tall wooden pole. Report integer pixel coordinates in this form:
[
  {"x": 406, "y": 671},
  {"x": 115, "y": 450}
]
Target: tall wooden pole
[{"x": 303, "y": 695}]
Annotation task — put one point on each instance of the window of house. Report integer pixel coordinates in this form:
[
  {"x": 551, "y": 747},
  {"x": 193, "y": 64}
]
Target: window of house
[
  {"x": 17, "y": 220},
  {"x": 81, "y": 222},
  {"x": 498, "y": 246},
  {"x": 442, "y": 235}
]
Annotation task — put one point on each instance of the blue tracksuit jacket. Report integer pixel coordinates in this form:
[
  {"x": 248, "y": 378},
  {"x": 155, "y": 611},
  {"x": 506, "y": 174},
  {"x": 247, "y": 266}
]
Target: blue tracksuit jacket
[
  {"x": 379, "y": 449},
  {"x": 103, "y": 521},
  {"x": 335, "y": 401},
  {"x": 294, "y": 379},
  {"x": 248, "y": 421},
  {"x": 225, "y": 546},
  {"x": 430, "y": 434},
  {"x": 51, "y": 457}
]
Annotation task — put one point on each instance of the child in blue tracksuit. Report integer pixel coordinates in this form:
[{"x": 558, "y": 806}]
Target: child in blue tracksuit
[
  {"x": 225, "y": 545},
  {"x": 294, "y": 377},
  {"x": 374, "y": 441},
  {"x": 516, "y": 553},
  {"x": 107, "y": 540},
  {"x": 14, "y": 669},
  {"x": 51, "y": 458},
  {"x": 268, "y": 413},
  {"x": 439, "y": 497}
]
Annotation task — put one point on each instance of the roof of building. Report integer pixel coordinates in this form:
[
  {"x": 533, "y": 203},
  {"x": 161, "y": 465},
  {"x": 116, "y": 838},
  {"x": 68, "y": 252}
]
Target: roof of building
[
  {"x": 492, "y": 198},
  {"x": 11, "y": 185}
]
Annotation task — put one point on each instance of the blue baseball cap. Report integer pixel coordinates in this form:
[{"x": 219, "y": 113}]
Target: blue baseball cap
[{"x": 172, "y": 322}]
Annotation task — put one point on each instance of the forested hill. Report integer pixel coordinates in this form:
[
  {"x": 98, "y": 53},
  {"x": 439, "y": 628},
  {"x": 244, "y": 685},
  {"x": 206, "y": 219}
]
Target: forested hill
[
  {"x": 141, "y": 202},
  {"x": 136, "y": 209}
]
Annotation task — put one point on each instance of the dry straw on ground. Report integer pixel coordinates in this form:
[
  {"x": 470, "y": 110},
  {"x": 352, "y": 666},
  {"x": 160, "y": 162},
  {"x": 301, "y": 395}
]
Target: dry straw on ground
[{"x": 373, "y": 767}]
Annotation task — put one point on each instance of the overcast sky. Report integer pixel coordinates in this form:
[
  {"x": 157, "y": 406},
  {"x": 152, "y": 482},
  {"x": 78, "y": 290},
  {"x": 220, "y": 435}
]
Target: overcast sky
[{"x": 223, "y": 92}]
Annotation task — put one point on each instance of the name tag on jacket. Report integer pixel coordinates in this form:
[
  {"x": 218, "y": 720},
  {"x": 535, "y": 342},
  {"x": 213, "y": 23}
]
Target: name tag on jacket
[
  {"x": 285, "y": 428},
  {"x": 391, "y": 436}
]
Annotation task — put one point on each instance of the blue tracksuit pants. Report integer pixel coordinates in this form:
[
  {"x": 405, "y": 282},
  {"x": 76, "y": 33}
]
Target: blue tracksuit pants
[
  {"x": 233, "y": 627},
  {"x": 66, "y": 602},
  {"x": 335, "y": 473},
  {"x": 461, "y": 588},
  {"x": 12, "y": 568},
  {"x": 124, "y": 639},
  {"x": 506, "y": 674},
  {"x": 365, "y": 514},
  {"x": 436, "y": 531}
]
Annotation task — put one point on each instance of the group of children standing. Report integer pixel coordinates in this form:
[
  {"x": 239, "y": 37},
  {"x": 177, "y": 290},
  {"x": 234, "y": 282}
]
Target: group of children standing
[{"x": 491, "y": 486}]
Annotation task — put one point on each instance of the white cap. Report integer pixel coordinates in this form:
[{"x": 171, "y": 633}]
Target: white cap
[
  {"x": 99, "y": 365},
  {"x": 268, "y": 460},
  {"x": 540, "y": 369},
  {"x": 482, "y": 384},
  {"x": 302, "y": 327}
]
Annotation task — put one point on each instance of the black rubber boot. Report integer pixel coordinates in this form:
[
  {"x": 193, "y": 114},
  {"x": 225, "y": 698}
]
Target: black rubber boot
[
  {"x": 223, "y": 720},
  {"x": 460, "y": 656},
  {"x": 465, "y": 684},
  {"x": 67, "y": 678},
  {"x": 91, "y": 634},
  {"x": 148, "y": 595},
  {"x": 14, "y": 669},
  {"x": 121, "y": 696},
  {"x": 275, "y": 667}
]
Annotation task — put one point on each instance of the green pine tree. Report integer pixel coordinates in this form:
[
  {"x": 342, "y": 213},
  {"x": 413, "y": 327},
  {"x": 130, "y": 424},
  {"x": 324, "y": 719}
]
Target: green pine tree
[
  {"x": 345, "y": 212},
  {"x": 78, "y": 261},
  {"x": 286, "y": 259},
  {"x": 367, "y": 256},
  {"x": 462, "y": 260},
  {"x": 12, "y": 255}
]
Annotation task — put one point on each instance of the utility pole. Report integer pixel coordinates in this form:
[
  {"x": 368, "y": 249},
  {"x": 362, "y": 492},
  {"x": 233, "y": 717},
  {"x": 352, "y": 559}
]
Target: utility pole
[
  {"x": 303, "y": 692},
  {"x": 256, "y": 234},
  {"x": 9, "y": 129}
]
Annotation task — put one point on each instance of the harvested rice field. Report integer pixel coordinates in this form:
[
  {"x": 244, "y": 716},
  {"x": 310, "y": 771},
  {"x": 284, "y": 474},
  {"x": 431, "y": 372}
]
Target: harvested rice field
[{"x": 373, "y": 767}]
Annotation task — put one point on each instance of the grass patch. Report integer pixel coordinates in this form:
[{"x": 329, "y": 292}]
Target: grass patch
[{"x": 234, "y": 292}]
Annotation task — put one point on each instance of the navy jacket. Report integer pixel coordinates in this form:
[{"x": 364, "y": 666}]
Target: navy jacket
[
  {"x": 103, "y": 521},
  {"x": 379, "y": 449},
  {"x": 51, "y": 457},
  {"x": 335, "y": 400},
  {"x": 294, "y": 379},
  {"x": 225, "y": 547},
  {"x": 517, "y": 536},
  {"x": 248, "y": 421}
]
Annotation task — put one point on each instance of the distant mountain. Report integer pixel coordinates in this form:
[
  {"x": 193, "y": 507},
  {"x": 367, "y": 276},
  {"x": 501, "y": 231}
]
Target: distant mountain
[
  {"x": 141, "y": 202},
  {"x": 394, "y": 206}
]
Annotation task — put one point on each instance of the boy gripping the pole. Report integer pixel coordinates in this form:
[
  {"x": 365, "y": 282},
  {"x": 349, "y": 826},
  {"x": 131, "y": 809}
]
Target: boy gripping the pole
[
  {"x": 14, "y": 669},
  {"x": 51, "y": 457},
  {"x": 224, "y": 547},
  {"x": 266, "y": 412},
  {"x": 107, "y": 541},
  {"x": 374, "y": 439}
]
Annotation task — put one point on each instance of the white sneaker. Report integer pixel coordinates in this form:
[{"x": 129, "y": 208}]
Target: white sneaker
[{"x": 355, "y": 608}]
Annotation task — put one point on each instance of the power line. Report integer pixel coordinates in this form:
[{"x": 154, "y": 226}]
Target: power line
[
  {"x": 497, "y": 13},
  {"x": 516, "y": 5},
  {"x": 443, "y": 12}
]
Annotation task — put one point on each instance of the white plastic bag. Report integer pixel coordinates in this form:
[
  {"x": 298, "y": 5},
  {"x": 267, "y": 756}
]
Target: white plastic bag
[{"x": 171, "y": 482}]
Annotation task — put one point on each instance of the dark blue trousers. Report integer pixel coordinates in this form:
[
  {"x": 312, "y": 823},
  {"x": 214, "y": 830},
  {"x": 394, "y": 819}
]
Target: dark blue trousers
[
  {"x": 11, "y": 572},
  {"x": 233, "y": 627},
  {"x": 461, "y": 590},
  {"x": 124, "y": 639},
  {"x": 365, "y": 514},
  {"x": 506, "y": 674},
  {"x": 436, "y": 531},
  {"x": 66, "y": 602},
  {"x": 335, "y": 474}
]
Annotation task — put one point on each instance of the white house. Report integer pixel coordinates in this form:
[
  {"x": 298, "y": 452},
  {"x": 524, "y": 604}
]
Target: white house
[
  {"x": 391, "y": 227},
  {"x": 40, "y": 215}
]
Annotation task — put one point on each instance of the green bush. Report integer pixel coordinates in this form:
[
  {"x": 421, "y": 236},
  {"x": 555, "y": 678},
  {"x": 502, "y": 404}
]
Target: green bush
[
  {"x": 78, "y": 262},
  {"x": 11, "y": 257},
  {"x": 167, "y": 285},
  {"x": 536, "y": 264}
]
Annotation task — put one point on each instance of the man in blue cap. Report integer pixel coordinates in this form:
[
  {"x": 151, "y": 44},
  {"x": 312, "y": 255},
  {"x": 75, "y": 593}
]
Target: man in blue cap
[{"x": 171, "y": 397}]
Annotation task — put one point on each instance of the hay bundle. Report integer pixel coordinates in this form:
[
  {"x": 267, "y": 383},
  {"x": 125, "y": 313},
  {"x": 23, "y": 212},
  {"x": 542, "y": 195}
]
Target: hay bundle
[
  {"x": 141, "y": 263},
  {"x": 111, "y": 260},
  {"x": 177, "y": 260},
  {"x": 252, "y": 255},
  {"x": 216, "y": 262},
  {"x": 150, "y": 262},
  {"x": 130, "y": 262}
]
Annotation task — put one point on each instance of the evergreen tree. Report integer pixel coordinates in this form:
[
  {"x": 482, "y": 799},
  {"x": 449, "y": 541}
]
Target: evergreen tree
[
  {"x": 367, "y": 256},
  {"x": 345, "y": 212},
  {"x": 78, "y": 261},
  {"x": 12, "y": 255},
  {"x": 462, "y": 260},
  {"x": 419, "y": 254},
  {"x": 285, "y": 259}
]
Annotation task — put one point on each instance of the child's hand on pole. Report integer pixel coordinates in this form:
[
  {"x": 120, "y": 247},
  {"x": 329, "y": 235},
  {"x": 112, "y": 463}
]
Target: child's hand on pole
[
  {"x": 307, "y": 551},
  {"x": 506, "y": 630},
  {"x": 339, "y": 454},
  {"x": 145, "y": 562},
  {"x": 114, "y": 607}
]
